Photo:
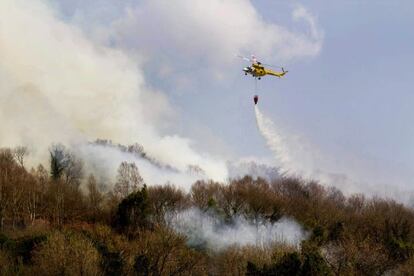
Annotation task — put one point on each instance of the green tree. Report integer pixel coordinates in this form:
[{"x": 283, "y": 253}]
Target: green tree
[
  {"x": 58, "y": 161},
  {"x": 133, "y": 211}
]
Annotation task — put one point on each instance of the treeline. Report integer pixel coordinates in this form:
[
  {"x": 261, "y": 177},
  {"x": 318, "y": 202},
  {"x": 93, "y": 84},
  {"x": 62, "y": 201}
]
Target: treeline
[{"x": 59, "y": 221}]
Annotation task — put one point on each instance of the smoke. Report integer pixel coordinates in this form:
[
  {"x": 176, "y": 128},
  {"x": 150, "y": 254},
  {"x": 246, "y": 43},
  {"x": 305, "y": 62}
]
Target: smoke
[
  {"x": 254, "y": 168},
  {"x": 296, "y": 156},
  {"x": 287, "y": 149},
  {"x": 56, "y": 85},
  {"x": 103, "y": 162},
  {"x": 207, "y": 230},
  {"x": 72, "y": 78}
]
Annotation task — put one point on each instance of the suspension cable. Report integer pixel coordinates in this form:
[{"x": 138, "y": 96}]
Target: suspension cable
[{"x": 255, "y": 85}]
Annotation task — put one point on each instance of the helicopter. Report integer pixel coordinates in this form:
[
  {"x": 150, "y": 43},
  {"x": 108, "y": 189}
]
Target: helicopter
[{"x": 257, "y": 69}]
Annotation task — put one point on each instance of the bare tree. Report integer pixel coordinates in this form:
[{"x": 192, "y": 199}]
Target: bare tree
[
  {"x": 165, "y": 200},
  {"x": 35, "y": 192},
  {"x": 95, "y": 197},
  {"x": 162, "y": 252},
  {"x": 20, "y": 153},
  {"x": 73, "y": 171},
  {"x": 205, "y": 194},
  {"x": 128, "y": 179},
  {"x": 233, "y": 198},
  {"x": 12, "y": 179}
]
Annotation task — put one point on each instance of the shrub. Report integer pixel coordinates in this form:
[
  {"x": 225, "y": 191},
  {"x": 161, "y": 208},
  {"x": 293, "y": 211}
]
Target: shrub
[{"x": 66, "y": 254}]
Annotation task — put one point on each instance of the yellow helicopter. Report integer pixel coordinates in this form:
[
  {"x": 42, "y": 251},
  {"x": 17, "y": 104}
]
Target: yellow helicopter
[{"x": 257, "y": 69}]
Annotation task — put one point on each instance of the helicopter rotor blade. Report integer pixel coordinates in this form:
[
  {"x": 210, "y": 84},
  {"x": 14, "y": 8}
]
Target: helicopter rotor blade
[
  {"x": 245, "y": 58},
  {"x": 253, "y": 59}
]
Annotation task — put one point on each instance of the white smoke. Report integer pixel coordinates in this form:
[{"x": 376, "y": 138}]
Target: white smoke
[
  {"x": 206, "y": 230},
  {"x": 56, "y": 85},
  {"x": 287, "y": 149},
  {"x": 253, "y": 167},
  {"x": 103, "y": 162},
  {"x": 296, "y": 156},
  {"x": 72, "y": 80}
]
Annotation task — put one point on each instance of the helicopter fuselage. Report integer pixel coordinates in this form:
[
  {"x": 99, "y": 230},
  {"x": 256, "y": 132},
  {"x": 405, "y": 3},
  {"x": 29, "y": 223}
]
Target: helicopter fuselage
[{"x": 257, "y": 70}]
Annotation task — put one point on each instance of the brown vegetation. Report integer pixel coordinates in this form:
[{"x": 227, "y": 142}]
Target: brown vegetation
[{"x": 49, "y": 226}]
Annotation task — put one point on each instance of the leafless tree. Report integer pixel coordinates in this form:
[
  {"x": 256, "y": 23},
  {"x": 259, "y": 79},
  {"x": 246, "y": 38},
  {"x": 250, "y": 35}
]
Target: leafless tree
[
  {"x": 128, "y": 179},
  {"x": 95, "y": 197},
  {"x": 20, "y": 153},
  {"x": 73, "y": 171}
]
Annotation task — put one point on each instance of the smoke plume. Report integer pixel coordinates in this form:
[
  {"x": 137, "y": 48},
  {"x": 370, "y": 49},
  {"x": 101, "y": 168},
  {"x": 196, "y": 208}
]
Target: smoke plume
[
  {"x": 72, "y": 77},
  {"x": 208, "y": 230},
  {"x": 296, "y": 156},
  {"x": 57, "y": 86},
  {"x": 287, "y": 149}
]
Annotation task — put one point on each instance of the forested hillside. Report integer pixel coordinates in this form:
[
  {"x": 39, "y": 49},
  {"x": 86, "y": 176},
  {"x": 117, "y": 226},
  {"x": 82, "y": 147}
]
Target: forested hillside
[{"x": 55, "y": 220}]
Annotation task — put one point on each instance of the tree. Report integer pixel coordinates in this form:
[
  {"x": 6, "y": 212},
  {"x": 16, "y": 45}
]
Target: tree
[
  {"x": 35, "y": 193},
  {"x": 66, "y": 254},
  {"x": 233, "y": 198},
  {"x": 203, "y": 194},
  {"x": 73, "y": 171},
  {"x": 65, "y": 203},
  {"x": 128, "y": 179},
  {"x": 65, "y": 165},
  {"x": 290, "y": 264},
  {"x": 13, "y": 179},
  {"x": 259, "y": 199},
  {"x": 20, "y": 153},
  {"x": 313, "y": 263},
  {"x": 166, "y": 200},
  {"x": 95, "y": 198},
  {"x": 6, "y": 172},
  {"x": 133, "y": 211},
  {"x": 8, "y": 266},
  {"x": 58, "y": 161},
  {"x": 163, "y": 252}
]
